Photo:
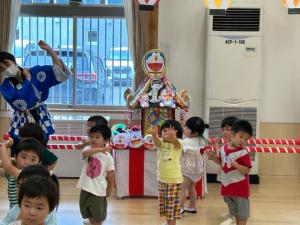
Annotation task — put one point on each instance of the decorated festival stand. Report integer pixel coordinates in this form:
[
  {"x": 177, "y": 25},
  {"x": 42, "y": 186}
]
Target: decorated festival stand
[{"x": 135, "y": 154}]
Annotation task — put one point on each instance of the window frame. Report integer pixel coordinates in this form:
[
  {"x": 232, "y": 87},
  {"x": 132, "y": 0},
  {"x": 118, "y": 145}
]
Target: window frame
[{"x": 75, "y": 12}]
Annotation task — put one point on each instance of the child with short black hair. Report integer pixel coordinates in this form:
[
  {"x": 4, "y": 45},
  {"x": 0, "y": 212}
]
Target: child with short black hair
[
  {"x": 28, "y": 152},
  {"x": 92, "y": 121},
  {"x": 97, "y": 177},
  {"x": 34, "y": 130},
  {"x": 235, "y": 162},
  {"x": 169, "y": 149},
  {"x": 192, "y": 162},
  {"x": 14, "y": 213},
  {"x": 38, "y": 196}
]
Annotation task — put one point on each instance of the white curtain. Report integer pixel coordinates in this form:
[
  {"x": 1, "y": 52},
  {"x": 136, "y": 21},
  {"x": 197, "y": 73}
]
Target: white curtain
[
  {"x": 129, "y": 23},
  {"x": 137, "y": 37},
  {"x": 9, "y": 11},
  {"x": 14, "y": 15}
]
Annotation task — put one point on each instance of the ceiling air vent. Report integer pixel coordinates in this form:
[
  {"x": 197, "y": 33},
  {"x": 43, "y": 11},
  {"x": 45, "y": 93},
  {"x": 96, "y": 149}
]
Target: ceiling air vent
[{"x": 238, "y": 19}]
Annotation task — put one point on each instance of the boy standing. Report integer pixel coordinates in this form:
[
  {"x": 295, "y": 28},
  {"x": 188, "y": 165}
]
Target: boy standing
[
  {"x": 97, "y": 177},
  {"x": 236, "y": 164}
]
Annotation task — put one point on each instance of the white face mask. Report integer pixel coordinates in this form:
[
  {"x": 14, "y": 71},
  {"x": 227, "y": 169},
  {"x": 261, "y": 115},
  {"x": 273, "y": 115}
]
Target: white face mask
[{"x": 11, "y": 71}]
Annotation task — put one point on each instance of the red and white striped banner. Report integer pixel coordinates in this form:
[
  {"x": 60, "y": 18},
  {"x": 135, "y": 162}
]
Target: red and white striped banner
[
  {"x": 262, "y": 141},
  {"x": 260, "y": 149}
]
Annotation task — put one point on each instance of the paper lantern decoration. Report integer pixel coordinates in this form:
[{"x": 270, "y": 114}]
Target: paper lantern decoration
[
  {"x": 147, "y": 5},
  {"x": 217, "y": 4},
  {"x": 291, "y": 4}
]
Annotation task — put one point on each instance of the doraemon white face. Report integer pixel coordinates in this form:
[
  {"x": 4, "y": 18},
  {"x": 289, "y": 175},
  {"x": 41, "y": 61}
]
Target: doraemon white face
[
  {"x": 154, "y": 63},
  {"x": 136, "y": 140},
  {"x": 120, "y": 141},
  {"x": 148, "y": 142}
]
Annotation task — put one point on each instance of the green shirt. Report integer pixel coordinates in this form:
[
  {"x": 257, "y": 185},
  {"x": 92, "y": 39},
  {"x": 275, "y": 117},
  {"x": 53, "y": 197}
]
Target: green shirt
[
  {"x": 11, "y": 190},
  {"x": 168, "y": 163},
  {"x": 48, "y": 158}
]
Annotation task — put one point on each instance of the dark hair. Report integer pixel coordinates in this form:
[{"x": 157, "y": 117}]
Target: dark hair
[
  {"x": 7, "y": 56},
  {"x": 32, "y": 130},
  {"x": 228, "y": 121},
  {"x": 40, "y": 170},
  {"x": 196, "y": 124},
  {"x": 242, "y": 125},
  {"x": 175, "y": 124},
  {"x": 30, "y": 144},
  {"x": 38, "y": 186},
  {"x": 97, "y": 119},
  {"x": 102, "y": 129}
]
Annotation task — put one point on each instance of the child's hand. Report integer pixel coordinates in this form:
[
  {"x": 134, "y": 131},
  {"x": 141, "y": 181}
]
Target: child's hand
[
  {"x": 152, "y": 130},
  {"x": 9, "y": 143},
  {"x": 235, "y": 164},
  {"x": 211, "y": 154},
  {"x": 170, "y": 134},
  {"x": 82, "y": 144}
]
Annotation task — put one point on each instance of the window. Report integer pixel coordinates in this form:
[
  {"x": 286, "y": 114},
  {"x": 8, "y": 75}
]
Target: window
[
  {"x": 93, "y": 46},
  {"x": 92, "y": 36},
  {"x": 17, "y": 34}
]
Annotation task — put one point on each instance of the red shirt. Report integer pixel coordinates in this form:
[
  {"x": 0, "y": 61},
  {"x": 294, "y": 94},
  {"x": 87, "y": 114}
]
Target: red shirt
[{"x": 234, "y": 183}]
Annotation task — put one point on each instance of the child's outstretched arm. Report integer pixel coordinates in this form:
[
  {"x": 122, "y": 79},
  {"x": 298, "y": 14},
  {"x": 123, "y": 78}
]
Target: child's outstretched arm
[
  {"x": 110, "y": 182},
  {"x": 92, "y": 151},
  {"x": 153, "y": 132},
  {"x": 6, "y": 161}
]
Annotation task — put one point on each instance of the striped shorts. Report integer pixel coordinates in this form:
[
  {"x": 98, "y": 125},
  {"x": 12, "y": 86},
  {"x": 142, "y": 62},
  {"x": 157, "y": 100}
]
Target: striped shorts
[{"x": 169, "y": 200}]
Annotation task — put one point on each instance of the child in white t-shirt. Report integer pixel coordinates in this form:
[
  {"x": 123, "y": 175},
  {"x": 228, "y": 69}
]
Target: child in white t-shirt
[{"x": 97, "y": 177}]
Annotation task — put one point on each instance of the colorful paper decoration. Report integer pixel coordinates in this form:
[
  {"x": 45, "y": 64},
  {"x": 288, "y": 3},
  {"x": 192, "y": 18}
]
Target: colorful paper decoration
[
  {"x": 291, "y": 4},
  {"x": 154, "y": 63},
  {"x": 148, "y": 142},
  {"x": 217, "y": 4}
]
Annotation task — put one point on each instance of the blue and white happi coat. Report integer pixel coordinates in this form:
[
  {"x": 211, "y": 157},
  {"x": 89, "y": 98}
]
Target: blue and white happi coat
[{"x": 32, "y": 94}]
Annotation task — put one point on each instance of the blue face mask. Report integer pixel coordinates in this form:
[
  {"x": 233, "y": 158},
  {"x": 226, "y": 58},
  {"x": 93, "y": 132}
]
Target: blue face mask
[{"x": 11, "y": 71}]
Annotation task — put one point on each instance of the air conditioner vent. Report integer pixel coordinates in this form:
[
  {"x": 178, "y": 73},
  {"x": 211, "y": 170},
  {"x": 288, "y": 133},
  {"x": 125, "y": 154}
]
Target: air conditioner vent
[{"x": 238, "y": 19}]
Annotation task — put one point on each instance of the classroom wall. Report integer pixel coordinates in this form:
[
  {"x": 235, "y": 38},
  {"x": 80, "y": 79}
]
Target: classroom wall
[{"x": 182, "y": 33}]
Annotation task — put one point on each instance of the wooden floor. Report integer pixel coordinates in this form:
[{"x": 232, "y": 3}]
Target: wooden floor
[{"x": 275, "y": 201}]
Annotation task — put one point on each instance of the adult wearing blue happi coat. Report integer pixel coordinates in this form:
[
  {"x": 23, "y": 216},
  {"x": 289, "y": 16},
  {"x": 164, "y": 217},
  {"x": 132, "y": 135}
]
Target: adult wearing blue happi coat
[{"x": 26, "y": 90}]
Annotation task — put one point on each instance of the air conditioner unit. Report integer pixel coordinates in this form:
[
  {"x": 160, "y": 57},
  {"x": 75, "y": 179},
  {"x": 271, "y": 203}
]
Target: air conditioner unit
[{"x": 233, "y": 70}]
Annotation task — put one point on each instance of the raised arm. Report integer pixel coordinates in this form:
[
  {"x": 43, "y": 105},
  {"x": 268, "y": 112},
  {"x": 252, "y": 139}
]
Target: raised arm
[
  {"x": 153, "y": 132},
  {"x": 6, "y": 161},
  {"x": 56, "y": 60},
  {"x": 171, "y": 135}
]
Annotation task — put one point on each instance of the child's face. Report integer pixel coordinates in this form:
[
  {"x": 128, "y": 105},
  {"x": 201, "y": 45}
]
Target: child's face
[
  {"x": 89, "y": 124},
  {"x": 34, "y": 210},
  {"x": 187, "y": 131},
  {"x": 226, "y": 132},
  {"x": 27, "y": 158},
  {"x": 96, "y": 140},
  {"x": 239, "y": 139}
]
